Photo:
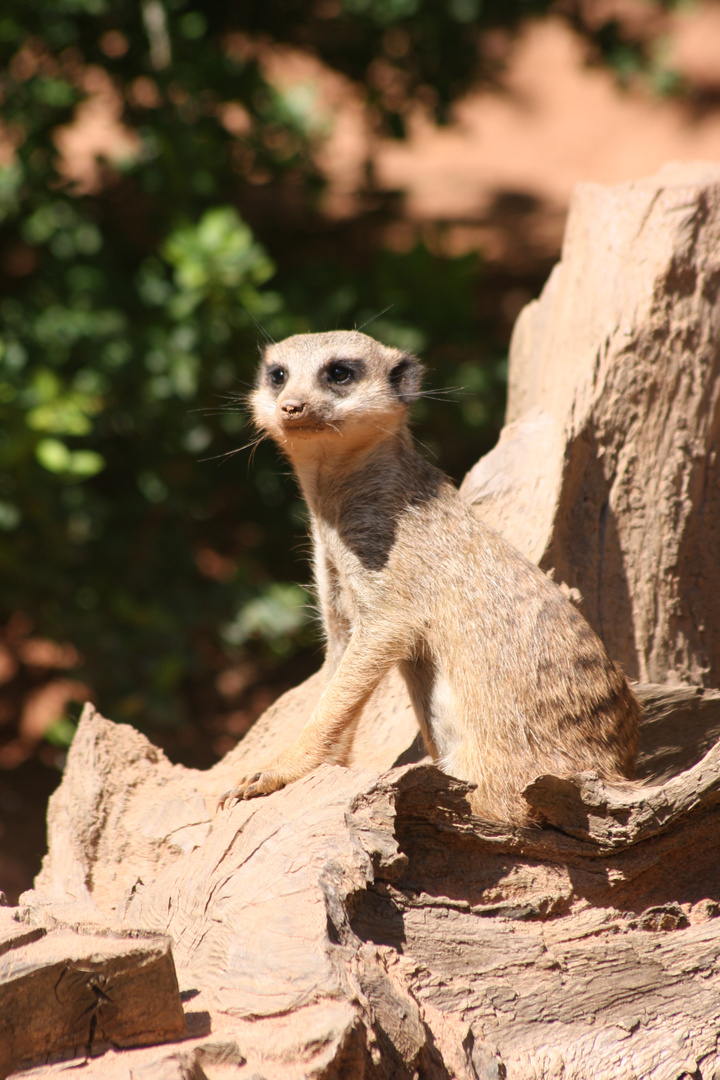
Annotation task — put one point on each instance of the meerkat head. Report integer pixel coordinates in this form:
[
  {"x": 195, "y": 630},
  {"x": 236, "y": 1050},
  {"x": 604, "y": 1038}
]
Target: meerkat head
[{"x": 343, "y": 387}]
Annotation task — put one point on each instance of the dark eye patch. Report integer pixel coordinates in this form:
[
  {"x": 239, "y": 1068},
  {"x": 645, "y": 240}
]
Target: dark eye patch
[
  {"x": 343, "y": 372},
  {"x": 340, "y": 373}
]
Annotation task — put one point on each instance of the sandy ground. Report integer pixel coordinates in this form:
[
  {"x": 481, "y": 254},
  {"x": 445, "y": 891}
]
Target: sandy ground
[{"x": 558, "y": 122}]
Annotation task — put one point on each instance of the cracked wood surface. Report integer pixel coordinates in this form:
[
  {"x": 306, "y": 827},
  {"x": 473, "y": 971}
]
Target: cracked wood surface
[
  {"x": 373, "y": 924},
  {"x": 63, "y": 994}
]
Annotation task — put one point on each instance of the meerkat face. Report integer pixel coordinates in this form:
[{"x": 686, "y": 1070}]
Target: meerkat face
[{"x": 341, "y": 386}]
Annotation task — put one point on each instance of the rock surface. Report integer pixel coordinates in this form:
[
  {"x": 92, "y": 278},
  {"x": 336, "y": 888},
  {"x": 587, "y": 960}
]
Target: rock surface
[{"x": 362, "y": 923}]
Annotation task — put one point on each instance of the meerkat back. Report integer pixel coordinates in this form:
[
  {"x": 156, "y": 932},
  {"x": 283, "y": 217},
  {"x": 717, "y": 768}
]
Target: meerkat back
[{"x": 513, "y": 680}]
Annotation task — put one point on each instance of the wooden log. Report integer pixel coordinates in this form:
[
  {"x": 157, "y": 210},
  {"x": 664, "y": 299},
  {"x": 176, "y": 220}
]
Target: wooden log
[
  {"x": 608, "y": 470},
  {"x": 13, "y": 934},
  {"x": 373, "y": 920},
  {"x": 67, "y": 994}
]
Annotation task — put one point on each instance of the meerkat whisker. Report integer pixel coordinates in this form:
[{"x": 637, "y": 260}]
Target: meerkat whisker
[
  {"x": 268, "y": 337},
  {"x": 251, "y": 446},
  {"x": 374, "y": 317}
]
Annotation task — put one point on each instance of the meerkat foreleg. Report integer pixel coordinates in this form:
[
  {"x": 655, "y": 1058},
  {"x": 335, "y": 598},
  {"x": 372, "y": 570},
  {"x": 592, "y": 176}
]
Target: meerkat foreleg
[{"x": 327, "y": 736}]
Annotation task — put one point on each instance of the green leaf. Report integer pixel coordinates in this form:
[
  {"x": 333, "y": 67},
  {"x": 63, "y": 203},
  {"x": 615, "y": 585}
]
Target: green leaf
[
  {"x": 10, "y": 516},
  {"x": 56, "y": 457},
  {"x": 53, "y": 455},
  {"x": 218, "y": 255},
  {"x": 61, "y": 732},
  {"x": 279, "y": 612},
  {"x": 59, "y": 411},
  {"x": 86, "y": 463}
]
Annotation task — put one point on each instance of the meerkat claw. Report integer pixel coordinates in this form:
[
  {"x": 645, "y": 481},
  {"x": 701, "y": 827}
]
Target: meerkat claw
[
  {"x": 250, "y": 787},
  {"x": 228, "y": 798},
  {"x": 237, "y": 793},
  {"x": 263, "y": 783}
]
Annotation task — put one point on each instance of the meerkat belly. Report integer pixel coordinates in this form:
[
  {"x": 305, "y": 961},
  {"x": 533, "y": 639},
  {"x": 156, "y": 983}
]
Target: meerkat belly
[{"x": 437, "y": 707}]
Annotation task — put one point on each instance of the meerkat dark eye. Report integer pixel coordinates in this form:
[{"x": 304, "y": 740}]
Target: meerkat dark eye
[
  {"x": 340, "y": 373},
  {"x": 277, "y": 376}
]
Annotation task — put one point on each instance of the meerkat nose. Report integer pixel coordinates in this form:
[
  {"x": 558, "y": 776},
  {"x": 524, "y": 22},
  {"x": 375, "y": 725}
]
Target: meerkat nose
[{"x": 293, "y": 408}]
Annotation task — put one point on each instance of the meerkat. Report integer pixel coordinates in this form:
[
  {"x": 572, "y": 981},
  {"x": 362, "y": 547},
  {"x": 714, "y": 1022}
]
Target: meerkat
[{"x": 507, "y": 679}]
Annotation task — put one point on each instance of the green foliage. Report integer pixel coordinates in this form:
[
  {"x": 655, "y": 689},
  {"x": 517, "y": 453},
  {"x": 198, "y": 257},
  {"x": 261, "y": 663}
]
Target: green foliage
[
  {"x": 214, "y": 260},
  {"x": 62, "y": 732},
  {"x": 128, "y": 314},
  {"x": 278, "y": 616}
]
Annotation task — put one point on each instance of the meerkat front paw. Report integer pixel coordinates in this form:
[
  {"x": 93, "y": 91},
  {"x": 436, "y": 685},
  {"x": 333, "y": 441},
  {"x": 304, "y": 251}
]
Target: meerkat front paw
[
  {"x": 292, "y": 764},
  {"x": 259, "y": 783}
]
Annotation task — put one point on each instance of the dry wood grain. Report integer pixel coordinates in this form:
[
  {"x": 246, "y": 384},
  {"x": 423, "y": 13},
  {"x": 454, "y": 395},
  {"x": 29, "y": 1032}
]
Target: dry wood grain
[{"x": 67, "y": 994}]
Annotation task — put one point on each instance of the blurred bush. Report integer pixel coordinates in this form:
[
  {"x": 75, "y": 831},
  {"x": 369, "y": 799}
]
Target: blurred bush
[{"x": 133, "y": 300}]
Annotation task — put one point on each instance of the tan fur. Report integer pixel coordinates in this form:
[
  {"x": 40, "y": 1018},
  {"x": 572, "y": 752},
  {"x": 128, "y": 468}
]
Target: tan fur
[{"x": 507, "y": 679}]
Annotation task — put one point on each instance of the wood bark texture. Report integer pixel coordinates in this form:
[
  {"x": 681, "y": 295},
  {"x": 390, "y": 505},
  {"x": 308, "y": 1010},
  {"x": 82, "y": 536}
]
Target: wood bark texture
[
  {"x": 608, "y": 470},
  {"x": 362, "y": 923},
  {"x": 63, "y": 994}
]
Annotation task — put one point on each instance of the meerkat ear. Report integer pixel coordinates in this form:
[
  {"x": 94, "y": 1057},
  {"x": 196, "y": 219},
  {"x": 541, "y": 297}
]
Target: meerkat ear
[{"x": 405, "y": 378}]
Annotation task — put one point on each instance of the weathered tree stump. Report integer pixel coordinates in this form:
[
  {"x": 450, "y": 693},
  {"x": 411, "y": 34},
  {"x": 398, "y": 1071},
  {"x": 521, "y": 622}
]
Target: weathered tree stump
[
  {"x": 362, "y": 922},
  {"x": 608, "y": 470},
  {"x": 64, "y": 994}
]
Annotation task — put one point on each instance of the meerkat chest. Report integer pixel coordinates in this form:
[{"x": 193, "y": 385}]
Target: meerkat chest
[
  {"x": 350, "y": 584},
  {"x": 332, "y": 549}
]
